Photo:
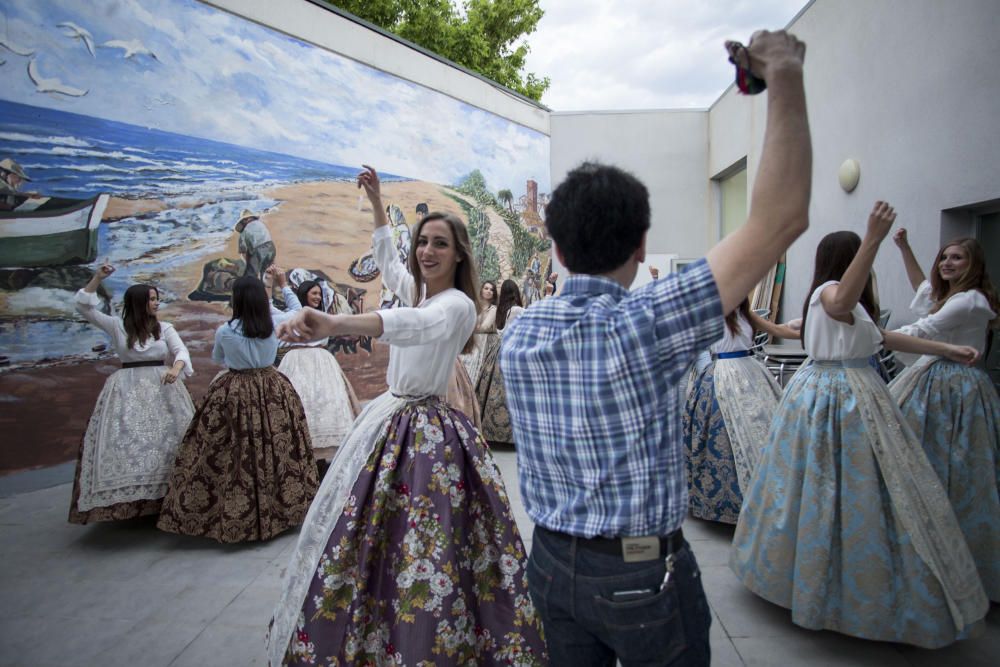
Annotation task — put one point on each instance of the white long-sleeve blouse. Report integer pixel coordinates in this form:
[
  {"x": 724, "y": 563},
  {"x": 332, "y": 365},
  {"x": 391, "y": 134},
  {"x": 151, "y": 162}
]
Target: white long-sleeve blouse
[{"x": 425, "y": 340}]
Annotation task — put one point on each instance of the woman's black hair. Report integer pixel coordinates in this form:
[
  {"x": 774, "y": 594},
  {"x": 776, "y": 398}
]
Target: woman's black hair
[
  {"x": 510, "y": 296},
  {"x": 302, "y": 291},
  {"x": 251, "y": 307},
  {"x": 733, "y": 318},
  {"x": 833, "y": 255},
  {"x": 139, "y": 325}
]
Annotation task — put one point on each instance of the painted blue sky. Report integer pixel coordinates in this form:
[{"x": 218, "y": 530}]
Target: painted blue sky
[{"x": 220, "y": 77}]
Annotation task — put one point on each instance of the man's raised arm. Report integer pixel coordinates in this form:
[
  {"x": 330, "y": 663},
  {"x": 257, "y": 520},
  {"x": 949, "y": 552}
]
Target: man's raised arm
[{"x": 779, "y": 205}]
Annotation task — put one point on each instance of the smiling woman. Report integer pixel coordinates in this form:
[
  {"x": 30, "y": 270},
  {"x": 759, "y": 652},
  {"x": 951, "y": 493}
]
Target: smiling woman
[
  {"x": 127, "y": 453},
  {"x": 415, "y": 476}
]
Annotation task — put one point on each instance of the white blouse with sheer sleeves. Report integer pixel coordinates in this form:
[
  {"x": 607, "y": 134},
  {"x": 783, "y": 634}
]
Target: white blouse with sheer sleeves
[
  {"x": 395, "y": 275},
  {"x": 735, "y": 343},
  {"x": 922, "y": 301},
  {"x": 424, "y": 341},
  {"x": 828, "y": 339},
  {"x": 962, "y": 320},
  {"x": 170, "y": 348}
]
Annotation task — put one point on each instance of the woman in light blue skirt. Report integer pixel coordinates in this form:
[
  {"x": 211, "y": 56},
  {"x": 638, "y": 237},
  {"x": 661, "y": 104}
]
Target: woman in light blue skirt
[
  {"x": 846, "y": 523},
  {"x": 953, "y": 409}
]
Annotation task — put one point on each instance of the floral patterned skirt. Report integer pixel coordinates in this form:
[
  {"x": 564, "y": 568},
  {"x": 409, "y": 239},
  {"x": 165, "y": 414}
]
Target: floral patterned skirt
[
  {"x": 245, "y": 470},
  {"x": 492, "y": 397},
  {"x": 424, "y": 565},
  {"x": 846, "y": 524},
  {"x": 955, "y": 412}
]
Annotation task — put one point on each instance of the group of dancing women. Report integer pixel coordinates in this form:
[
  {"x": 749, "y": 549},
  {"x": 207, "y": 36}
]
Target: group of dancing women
[
  {"x": 408, "y": 549},
  {"x": 243, "y": 465},
  {"x": 867, "y": 509}
]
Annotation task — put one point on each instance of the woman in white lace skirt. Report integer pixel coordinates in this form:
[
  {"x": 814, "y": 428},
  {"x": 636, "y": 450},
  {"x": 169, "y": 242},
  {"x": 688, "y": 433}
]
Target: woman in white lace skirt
[
  {"x": 128, "y": 449},
  {"x": 327, "y": 396}
]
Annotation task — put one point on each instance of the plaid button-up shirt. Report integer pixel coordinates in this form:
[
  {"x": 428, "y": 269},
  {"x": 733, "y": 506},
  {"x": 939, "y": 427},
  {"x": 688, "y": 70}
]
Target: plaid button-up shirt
[{"x": 591, "y": 378}]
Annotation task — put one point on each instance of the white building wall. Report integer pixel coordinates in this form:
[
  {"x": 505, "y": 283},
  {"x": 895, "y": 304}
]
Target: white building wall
[
  {"x": 911, "y": 90},
  {"x": 322, "y": 27},
  {"x": 664, "y": 149}
]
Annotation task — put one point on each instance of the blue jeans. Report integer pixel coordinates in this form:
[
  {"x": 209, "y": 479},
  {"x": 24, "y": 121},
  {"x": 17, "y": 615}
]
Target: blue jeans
[{"x": 574, "y": 588}]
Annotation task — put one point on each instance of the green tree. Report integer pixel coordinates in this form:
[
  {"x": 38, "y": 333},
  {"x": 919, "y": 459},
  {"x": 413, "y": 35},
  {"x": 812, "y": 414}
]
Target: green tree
[{"x": 483, "y": 37}]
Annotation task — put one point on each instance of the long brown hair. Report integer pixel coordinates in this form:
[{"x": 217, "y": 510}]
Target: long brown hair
[
  {"x": 139, "y": 325},
  {"x": 510, "y": 296},
  {"x": 733, "y": 318},
  {"x": 833, "y": 255},
  {"x": 496, "y": 292},
  {"x": 466, "y": 276},
  {"x": 975, "y": 277}
]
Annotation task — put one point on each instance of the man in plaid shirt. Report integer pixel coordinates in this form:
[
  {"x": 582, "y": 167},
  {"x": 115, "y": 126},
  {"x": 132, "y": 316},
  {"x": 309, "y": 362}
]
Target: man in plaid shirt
[{"x": 591, "y": 378}]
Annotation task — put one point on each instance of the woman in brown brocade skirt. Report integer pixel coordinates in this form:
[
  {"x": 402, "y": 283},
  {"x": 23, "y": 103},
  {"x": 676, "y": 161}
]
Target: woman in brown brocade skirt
[{"x": 245, "y": 470}]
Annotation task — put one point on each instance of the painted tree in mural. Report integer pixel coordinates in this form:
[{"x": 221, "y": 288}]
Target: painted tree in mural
[
  {"x": 506, "y": 197},
  {"x": 482, "y": 37}
]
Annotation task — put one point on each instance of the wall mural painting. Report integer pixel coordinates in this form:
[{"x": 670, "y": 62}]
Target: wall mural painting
[{"x": 173, "y": 140}]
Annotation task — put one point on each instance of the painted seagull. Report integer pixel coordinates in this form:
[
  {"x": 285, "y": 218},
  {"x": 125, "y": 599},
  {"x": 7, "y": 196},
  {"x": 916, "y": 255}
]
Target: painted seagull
[
  {"x": 76, "y": 32},
  {"x": 43, "y": 85},
  {"x": 132, "y": 48},
  {"x": 14, "y": 48}
]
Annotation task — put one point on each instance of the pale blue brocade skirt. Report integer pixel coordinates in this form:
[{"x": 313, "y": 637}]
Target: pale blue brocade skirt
[{"x": 846, "y": 523}]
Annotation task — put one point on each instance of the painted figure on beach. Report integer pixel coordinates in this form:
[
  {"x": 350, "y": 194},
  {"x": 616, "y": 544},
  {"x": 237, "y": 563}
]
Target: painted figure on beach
[{"x": 255, "y": 244}]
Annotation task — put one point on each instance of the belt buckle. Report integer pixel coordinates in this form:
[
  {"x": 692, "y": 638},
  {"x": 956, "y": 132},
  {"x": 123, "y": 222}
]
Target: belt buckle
[{"x": 640, "y": 549}]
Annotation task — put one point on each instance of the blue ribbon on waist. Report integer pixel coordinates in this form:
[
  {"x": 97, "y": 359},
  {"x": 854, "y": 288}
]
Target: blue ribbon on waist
[{"x": 731, "y": 355}]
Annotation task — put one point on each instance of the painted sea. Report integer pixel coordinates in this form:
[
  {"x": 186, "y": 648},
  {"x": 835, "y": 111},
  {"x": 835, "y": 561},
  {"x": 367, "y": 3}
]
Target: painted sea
[{"x": 204, "y": 185}]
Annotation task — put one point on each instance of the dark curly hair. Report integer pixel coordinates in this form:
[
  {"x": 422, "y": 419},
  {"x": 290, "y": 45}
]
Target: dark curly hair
[{"x": 597, "y": 217}]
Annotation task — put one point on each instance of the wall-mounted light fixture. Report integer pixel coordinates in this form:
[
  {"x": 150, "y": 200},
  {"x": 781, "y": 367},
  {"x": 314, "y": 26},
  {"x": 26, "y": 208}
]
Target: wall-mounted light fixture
[{"x": 849, "y": 174}]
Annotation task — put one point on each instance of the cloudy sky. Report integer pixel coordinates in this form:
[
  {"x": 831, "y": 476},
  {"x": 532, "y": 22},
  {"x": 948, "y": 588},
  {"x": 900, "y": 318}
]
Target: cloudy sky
[
  {"x": 218, "y": 77},
  {"x": 644, "y": 54}
]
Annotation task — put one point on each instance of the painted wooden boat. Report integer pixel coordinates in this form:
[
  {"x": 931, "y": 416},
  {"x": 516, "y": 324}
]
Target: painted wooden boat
[{"x": 51, "y": 231}]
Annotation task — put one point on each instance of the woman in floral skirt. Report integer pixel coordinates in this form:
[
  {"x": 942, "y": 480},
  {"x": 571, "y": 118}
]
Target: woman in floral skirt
[{"x": 409, "y": 553}]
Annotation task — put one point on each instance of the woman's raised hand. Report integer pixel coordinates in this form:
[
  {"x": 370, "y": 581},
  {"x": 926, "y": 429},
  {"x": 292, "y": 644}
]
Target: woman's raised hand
[
  {"x": 880, "y": 220},
  {"x": 103, "y": 271},
  {"x": 368, "y": 179},
  {"x": 277, "y": 275},
  {"x": 900, "y": 239}
]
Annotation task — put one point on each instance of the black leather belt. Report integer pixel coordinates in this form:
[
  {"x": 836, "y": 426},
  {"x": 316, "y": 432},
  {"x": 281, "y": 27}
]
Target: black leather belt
[
  {"x": 140, "y": 364},
  {"x": 612, "y": 546}
]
